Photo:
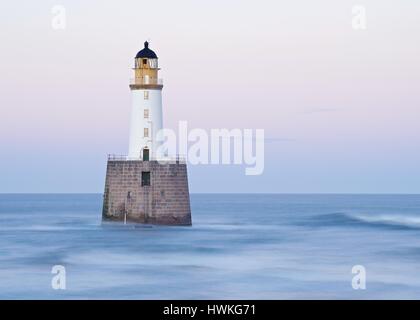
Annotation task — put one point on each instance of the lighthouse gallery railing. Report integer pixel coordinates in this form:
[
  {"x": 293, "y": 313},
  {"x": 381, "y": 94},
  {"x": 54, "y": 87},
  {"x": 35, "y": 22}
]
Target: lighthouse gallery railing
[{"x": 117, "y": 157}]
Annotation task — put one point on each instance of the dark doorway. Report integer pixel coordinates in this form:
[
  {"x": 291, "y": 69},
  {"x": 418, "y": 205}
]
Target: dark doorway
[
  {"x": 145, "y": 154},
  {"x": 145, "y": 178}
]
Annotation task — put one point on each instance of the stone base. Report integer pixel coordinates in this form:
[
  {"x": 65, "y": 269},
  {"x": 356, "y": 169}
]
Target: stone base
[{"x": 165, "y": 201}]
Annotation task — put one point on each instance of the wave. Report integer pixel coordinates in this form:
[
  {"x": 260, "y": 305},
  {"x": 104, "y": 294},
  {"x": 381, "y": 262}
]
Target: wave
[
  {"x": 47, "y": 228},
  {"x": 390, "y": 219},
  {"x": 374, "y": 220}
]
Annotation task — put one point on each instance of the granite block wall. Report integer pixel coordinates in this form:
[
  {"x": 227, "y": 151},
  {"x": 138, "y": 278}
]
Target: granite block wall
[{"x": 165, "y": 201}]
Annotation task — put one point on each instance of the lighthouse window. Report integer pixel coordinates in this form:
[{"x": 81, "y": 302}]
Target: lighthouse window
[
  {"x": 146, "y": 95},
  {"x": 146, "y": 132},
  {"x": 145, "y": 178},
  {"x": 146, "y": 113},
  {"x": 144, "y": 61}
]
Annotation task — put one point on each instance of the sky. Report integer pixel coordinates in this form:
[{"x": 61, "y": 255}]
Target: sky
[{"x": 340, "y": 107}]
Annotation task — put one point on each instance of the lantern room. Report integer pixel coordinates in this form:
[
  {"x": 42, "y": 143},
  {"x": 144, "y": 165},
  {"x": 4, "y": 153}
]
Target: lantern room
[{"x": 146, "y": 66}]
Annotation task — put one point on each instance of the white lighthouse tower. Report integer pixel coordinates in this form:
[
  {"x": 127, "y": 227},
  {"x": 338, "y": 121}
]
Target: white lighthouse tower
[
  {"x": 146, "y": 186},
  {"x": 146, "y": 111}
]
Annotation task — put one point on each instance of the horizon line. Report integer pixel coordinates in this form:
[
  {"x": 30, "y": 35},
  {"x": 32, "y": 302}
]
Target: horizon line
[{"x": 223, "y": 193}]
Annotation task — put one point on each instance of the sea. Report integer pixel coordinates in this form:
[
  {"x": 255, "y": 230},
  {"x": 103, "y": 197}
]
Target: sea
[{"x": 240, "y": 246}]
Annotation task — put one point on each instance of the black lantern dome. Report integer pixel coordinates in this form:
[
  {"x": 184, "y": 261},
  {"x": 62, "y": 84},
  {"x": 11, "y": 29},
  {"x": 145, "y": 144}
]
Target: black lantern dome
[{"x": 146, "y": 52}]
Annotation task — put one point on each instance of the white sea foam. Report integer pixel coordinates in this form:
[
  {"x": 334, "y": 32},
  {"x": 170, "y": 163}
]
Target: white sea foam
[{"x": 391, "y": 219}]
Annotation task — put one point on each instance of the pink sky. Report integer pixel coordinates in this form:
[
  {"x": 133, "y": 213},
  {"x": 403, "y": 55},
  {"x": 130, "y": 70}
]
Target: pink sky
[{"x": 341, "y": 106}]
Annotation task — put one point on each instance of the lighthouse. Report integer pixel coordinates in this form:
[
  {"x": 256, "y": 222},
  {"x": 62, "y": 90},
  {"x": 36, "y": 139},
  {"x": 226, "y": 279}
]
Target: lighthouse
[
  {"x": 145, "y": 186},
  {"x": 146, "y": 110}
]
